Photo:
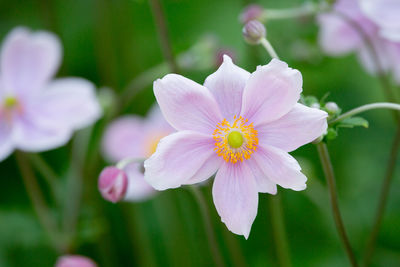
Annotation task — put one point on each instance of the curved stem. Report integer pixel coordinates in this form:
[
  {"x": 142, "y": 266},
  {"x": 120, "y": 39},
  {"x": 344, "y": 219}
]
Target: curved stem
[
  {"x": 330, "y": 178},
  {"x": 270, "y": 49},
  {"x": 307, "y": 9},
  {"x": 207, "y": 225},
  {"x": 39, "y": 205},
  {"x": 382, "y": 198},
  {"x": 381, "y": 105}
]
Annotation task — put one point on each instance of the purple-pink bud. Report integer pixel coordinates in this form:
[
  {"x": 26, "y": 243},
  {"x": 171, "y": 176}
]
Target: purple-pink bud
[
  {"x": 254, "y": 31},
  {"x": 113, "y": 183},
  {"x": 75, "y": 261},
  {"x": 220, "y": 56},
  {"x": 251, "y": 12}
]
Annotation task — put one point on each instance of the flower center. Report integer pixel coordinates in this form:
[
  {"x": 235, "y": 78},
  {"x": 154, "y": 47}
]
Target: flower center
[
  {"x": 235, "y": 141},
  {"x": 10, "y": 102}
]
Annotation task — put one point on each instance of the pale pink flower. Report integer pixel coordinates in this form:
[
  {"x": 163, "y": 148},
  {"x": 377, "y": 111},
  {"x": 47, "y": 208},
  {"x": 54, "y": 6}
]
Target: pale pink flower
[
  {"x": 75, "y": 261},
  {"x": 136, "y": 138},
  {"x": 37, "y": 113},
  {"x": 386, "y": 14},
  {"x": 240, "y": 126}
]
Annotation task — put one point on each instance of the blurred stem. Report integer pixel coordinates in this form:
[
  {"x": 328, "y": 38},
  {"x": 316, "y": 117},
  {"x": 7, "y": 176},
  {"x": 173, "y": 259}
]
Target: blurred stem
[
  {"x": 330, "y": 178},
  {"x": 38, "y": 202},
  {"x": 163, "y": 35},
  {"x": 207, "y": 225},
  {"x": 75, "y": 184},
  {"x": 382, "y": 199},
  {"x": 307, "y": 9},
  {"x": 278, "y": 230},
  {"x": 382, "y": 105},
  {"x": 267, "y": 45},
  {"x": 48, "y": 174}
]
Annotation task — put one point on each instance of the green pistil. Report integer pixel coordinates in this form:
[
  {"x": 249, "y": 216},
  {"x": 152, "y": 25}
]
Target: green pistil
[
  {"x": 10, "y": 102},
  {"x": 235, "y": 139}
]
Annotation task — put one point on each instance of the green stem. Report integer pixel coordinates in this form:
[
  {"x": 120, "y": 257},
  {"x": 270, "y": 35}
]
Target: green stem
[
  {"x": 267, "y": 45},
  {"x": 382, "y": 199},
  {"x": 381, "y": 105},
  {"x": 207, "y": 225},
  {"x": 278, "y": 231},
  {"x": 307, "y": 9},
  {"x": 35, "y": 194},
  {"x": 330, "y": 178}
]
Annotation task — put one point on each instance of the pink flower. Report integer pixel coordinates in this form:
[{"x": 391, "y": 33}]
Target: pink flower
[
  {"x": 240, "y": 126},
  {"x": 134, "y": 137},
  {"x": 75, "y": 261},
  {"x": 340, "y": 33},
  {"x": 37, "y": 113},
  {"x": 386, "y": 14},
  {"x": 113, "y": 183}
]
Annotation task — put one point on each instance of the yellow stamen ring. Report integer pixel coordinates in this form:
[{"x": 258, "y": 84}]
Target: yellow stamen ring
[{"x": 237, "y": 141}]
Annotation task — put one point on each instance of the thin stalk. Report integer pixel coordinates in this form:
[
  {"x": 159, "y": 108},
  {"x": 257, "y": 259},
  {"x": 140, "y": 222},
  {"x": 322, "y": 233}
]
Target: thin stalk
[
  {"x": 330, "y": 178},
  {"x": 267, "y": 45},
  {"x": 208, "y": 226},
  {"x": 35, "y": 194},
  {"x": 307, "y": 9},
  {"x": 382, "y": 199},
  {"x": 381, "y": 105},
  {"x": 278, "y": 231},
  {"x": 163, "y": 35}
]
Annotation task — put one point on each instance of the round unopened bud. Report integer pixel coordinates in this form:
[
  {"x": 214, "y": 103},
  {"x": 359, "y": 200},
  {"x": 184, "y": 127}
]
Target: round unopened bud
[
  {"x": 254, "y": 31},
  {"x": 332, "y": 108},
  {"x": 315, "y": 105},
  {"x": 113, "y": 183},
  {"x": 251, "y": 12},
  {"x": 75, "y": 261}
]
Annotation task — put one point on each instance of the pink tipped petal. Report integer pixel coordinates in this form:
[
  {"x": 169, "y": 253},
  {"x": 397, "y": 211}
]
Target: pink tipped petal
[
  {"x": 6, "y": 142},
  {"x": 264, "y": 185},
  {"x": 236, "y": 197},
  {"x": 75, "y": 261},
  {"x": 29, "y": 60},
  {"x": 187, "y": 105},
  {"x": 227, "y": 85},
  {"x": 69, "y": 102},
  {"x": 138, "y": 189},
  {"x": 271, "y": 92},
  {"x": 280, "y": 167},
  {"x": 178, "y": 157},
  {"x": 30, "y": 133},
  {"x": 300, "y": 126},
  {"x": 208, "y": 169},
  {"x": 113, "y": 184},
  {"x": 124, "y": 138}
]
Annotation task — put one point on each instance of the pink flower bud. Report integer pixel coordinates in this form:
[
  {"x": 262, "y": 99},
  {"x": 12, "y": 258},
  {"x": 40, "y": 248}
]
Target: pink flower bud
[
  {"x": 251, "y": 12},
  {"x": 254, "y": 31},
  {"x": 113, "y": 183},
  {"x": 75, "y": 261}
]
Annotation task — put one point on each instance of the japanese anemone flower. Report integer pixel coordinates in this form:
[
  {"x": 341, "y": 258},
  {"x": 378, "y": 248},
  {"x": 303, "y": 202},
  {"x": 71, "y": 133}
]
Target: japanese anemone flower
[
  {"x": 130, "y": 137},
  {"x": 240, "y": 126},
  {"x": 37, "y": 113}
]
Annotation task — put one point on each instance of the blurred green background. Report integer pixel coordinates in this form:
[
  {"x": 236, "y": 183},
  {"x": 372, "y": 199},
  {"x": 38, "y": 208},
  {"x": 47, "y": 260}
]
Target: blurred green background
[{"x": 111, "y": 43}]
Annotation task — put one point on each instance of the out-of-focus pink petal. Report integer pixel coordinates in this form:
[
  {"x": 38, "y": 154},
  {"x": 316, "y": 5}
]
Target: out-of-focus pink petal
[
  {"x": 227, "y": 85},
  {"x": 28, "y": 61},
  {"x": 367, "y": 59},
  {"x": 68, "y": 102},
  {"x": 113, "y": 184},
  {"x": 236, "y": 197},
  {"x": 124, "y": 138},
  {"x": 264, "y": 185},
  {"x": 178, "y": 157},
  {"x": 187, "y": 105},
  {"x": 138, "y": 188},
  {"x": 393, "y": 50},
  {"x": 32, "y": 134},
  {"x": 6, "y": 142},
  {"x": 271, "y": 92},
  {"x": 385, "y": 13},
  {"x": 298, "y": 127},
  {"x": 280, "y": 167},
  {"x": 75, "y": 261},
  {"x": 208, "y": 169}
]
